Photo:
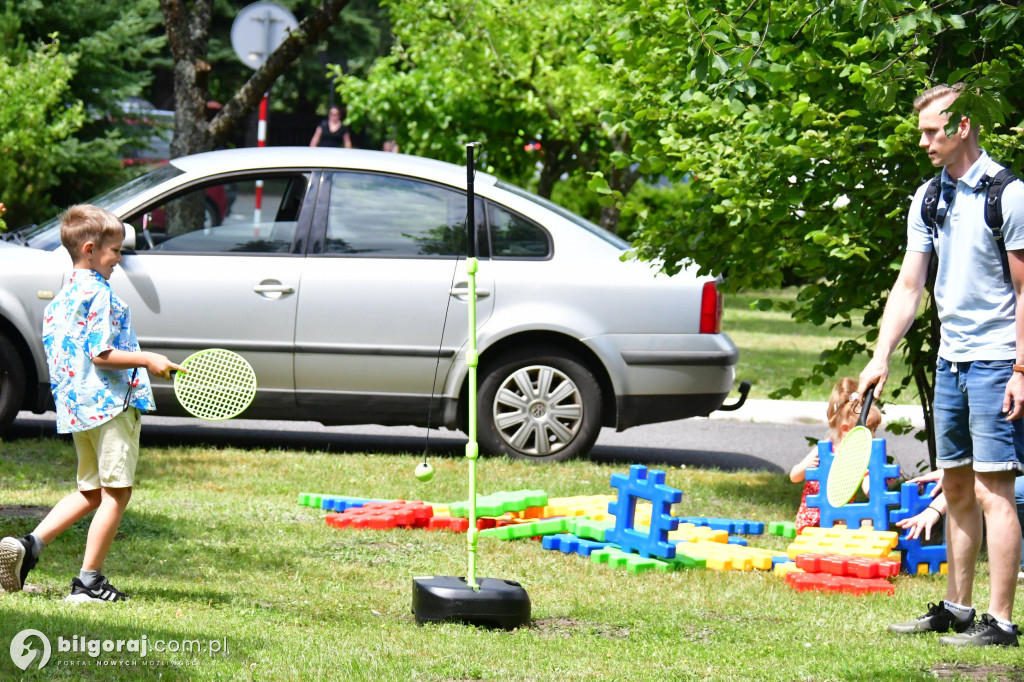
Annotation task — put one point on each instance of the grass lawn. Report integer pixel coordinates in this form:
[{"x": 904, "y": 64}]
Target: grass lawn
[
  {"x": 774, "y": 349},
  {"x": 215, "y": 548}
]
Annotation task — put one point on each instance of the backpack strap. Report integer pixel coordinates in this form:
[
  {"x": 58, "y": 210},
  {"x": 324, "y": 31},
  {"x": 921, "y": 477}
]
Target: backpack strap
[
  {"x": 930, "y": 205},
  {"x": 994, "y": 212}
]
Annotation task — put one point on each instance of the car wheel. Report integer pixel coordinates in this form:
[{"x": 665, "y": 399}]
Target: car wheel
[
  {"x": 540, "y": 405},
  {"x": 12, "y": 382}
]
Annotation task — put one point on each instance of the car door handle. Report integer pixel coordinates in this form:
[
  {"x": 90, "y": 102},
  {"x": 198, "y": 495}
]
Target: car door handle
[
  {"x": 462, "y": 289},
  {"x": 273, "y": 289}
]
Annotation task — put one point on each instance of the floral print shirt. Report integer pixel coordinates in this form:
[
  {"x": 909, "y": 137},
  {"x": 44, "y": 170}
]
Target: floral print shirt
[{"x": 83, "y": 321}]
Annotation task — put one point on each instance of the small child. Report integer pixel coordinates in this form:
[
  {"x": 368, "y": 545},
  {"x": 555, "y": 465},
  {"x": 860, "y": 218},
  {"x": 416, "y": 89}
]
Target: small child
[
  {"x": 99, "y": 392},
  {"x": 843, "y": 414}
]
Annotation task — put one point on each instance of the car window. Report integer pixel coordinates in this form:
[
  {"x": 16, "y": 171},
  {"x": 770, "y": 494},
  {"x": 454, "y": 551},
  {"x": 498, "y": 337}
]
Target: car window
[
  {"x": 223, "y": 217},
  {"x": 381, "y": 215},
  {"x": 513, "y": 236},
  {"x": 568, "y": 215}
]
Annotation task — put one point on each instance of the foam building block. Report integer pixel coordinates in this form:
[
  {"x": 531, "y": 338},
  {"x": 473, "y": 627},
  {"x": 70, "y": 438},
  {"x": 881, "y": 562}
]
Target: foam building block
[
  {"x": 592, "y": 506},
  {"x": 853, "y": 566},
  {"x": 567, "y": 543},
  {"x": 591, "y": 529},
  {"x": 785, "y": 567},
  {"x": 824, "y": 582},
  {"x": 383, "y": 515},
  {"x": 785, "y": 529},
  {"x": 634, "y": 563},
  {"x": 497, "y": 504},
  {"x": 917, "y": 557},
  {"x": 734, "y": 557},
  {"x": 730, "y": 526},
  {"x": 876, "y": 509},
  {"x": 527, "y": 529},
  {"x": 839, "y": 540},
  {"x": 687, "y": 532},
  {"x": 642, "y": 484}
]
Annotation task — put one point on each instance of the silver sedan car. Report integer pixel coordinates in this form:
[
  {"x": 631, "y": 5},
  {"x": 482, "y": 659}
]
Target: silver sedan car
[{"x": 340, "y": 275}]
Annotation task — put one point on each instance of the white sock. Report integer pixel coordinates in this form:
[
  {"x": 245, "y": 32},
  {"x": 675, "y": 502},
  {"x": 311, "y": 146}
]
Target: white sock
[
  {"x": 1006, "y": 625},
  {"x": 959, "y": 610}
]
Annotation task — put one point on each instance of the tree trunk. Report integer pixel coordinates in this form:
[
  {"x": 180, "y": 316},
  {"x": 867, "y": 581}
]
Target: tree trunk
[{"x": 188, "y": 33}]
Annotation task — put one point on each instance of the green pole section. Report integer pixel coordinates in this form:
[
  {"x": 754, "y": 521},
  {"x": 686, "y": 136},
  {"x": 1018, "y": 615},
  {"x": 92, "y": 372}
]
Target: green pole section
[{"x": 472, "y": 447}]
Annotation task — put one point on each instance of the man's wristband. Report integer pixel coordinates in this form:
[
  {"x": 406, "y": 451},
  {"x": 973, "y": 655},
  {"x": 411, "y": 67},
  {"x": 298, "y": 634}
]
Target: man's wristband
[{"x": 1018, "y": 368}]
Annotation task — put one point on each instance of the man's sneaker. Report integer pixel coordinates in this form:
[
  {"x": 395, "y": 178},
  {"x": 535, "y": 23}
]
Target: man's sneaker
[
  {"x": 16, "y": 560},
  {"x": 102, "y": 591},
  {"x": 985, "y": 632},
  {"x": 938, "y": 619}
]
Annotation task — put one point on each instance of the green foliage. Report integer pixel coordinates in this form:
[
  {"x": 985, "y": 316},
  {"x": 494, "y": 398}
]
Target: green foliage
[
  {"x": 794, "y": 123},
  {"x": 36, "y": 127},
  {"x": 108, "y": 49},
  {"x": 501, "y": 73}
]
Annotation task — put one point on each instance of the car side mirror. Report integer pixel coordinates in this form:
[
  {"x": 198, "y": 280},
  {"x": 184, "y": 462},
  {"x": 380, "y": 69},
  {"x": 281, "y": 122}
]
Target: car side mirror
[{"x": 129, "y": 238}]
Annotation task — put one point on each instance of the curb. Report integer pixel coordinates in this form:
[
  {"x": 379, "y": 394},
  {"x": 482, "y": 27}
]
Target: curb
[{"x": 808, "y": 412}]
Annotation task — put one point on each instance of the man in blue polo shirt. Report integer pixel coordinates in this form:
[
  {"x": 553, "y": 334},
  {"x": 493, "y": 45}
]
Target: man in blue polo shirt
[{"x": 979, "y": 380}]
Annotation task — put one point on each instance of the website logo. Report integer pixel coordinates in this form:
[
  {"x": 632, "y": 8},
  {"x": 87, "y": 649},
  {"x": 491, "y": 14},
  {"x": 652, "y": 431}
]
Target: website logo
[{"x": 23, "y": 654}]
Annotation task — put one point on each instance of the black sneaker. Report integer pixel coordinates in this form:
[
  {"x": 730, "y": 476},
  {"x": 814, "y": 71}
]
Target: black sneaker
[
  {"x": 16, "y": 560},
  {"x": 985, "y": 632},
  {"x": 938, "y": 619},
  {"x": 102, "y": 591}
]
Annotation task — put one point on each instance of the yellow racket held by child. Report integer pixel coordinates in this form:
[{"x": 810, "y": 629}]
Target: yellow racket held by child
[{"x": 216, "y": 384}]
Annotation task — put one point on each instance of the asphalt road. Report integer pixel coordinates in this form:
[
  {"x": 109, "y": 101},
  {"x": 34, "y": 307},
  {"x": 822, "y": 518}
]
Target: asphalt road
[{"x": 712, "y": 443}]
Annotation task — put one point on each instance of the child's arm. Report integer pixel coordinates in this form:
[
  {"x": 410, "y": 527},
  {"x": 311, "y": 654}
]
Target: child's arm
[
  {"x": 796, "y": 474},
  {"x": 925, "y": 520},
  {"x": 159, "y": 365}
]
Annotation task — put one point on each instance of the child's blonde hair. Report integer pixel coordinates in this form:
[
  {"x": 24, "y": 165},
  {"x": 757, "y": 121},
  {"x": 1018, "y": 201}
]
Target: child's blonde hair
[
  {"x": 844, "y": 408},
  {"x": 83, "y": 223}
]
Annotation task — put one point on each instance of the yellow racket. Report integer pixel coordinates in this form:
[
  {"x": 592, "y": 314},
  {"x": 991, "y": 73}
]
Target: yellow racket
[
  {"x": 216, "y": 384},
  {"x": 851, "y": 460}
]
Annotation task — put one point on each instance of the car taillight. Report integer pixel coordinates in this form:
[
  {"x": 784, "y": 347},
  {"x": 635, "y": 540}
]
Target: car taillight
[{"x": 711, "y": 303}]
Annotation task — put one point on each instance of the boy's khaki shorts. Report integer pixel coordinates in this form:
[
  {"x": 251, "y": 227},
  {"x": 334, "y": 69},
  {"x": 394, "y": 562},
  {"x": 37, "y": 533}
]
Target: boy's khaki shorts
[{"x": 108, "y": 453}]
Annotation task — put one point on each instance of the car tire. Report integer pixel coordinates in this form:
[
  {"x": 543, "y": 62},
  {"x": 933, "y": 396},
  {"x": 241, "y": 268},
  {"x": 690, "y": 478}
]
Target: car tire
[
  {"x": 12, "y": 382},
  {"x": 540, "y": 405}
]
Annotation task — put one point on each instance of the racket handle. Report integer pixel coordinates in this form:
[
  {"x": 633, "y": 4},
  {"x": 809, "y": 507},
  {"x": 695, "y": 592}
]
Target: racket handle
[{"x": 869, "y": 398}]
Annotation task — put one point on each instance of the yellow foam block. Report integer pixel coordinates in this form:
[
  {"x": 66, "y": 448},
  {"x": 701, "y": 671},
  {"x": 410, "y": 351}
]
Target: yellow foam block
[
  {"x": 788, "y": 567},
  {"x": 687, "y": 532},
  {"x": 840, "y": 540}
]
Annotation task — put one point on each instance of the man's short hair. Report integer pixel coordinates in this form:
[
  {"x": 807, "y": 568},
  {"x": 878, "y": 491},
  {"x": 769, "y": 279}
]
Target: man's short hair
[
  {"x": 938, "y": 92},
  {"x": 83, "y": 223}
]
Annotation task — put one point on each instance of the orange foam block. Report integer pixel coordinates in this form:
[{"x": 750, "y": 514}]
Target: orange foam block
[{"x": 383, "y": 516}]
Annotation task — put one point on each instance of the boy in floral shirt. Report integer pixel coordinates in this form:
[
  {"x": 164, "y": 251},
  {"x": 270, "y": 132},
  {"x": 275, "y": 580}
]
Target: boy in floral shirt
[{"x": 99, "y": 393}]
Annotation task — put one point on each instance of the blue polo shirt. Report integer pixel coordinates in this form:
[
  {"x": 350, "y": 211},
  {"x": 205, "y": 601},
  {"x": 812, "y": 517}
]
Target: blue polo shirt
[
  {"x": 976, "y": 308},
  {"x": 83, "y": 321}
]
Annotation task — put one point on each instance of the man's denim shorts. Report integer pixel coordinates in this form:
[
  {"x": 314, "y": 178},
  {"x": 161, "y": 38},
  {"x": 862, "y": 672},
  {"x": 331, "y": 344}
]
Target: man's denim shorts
[{"x": 970, "y": 425}]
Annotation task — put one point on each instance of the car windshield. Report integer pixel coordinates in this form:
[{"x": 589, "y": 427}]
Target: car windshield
[
  {"x": 567, "y": 214},
  {"x": 46, "y": 236}
]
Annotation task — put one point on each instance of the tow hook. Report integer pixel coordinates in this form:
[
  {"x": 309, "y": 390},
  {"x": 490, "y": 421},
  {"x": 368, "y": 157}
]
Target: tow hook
[{"x": 744, "y": 390}]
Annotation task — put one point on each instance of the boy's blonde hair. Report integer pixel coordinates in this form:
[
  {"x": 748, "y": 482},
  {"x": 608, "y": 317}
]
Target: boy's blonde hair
[
  {"x": 844, "y": 408},
  {"x": 83, "y": 223}
]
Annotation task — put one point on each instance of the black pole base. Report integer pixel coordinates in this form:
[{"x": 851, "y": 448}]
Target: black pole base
[{"x": 497, "y": 604}]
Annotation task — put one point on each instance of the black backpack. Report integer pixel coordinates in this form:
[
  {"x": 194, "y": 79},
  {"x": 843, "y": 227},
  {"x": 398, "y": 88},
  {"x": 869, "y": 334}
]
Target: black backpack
[{"x": 994, "y": 187}]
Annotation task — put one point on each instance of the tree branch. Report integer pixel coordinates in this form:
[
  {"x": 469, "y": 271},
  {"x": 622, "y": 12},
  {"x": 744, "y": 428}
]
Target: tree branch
[{"x": 245, "y": 100}]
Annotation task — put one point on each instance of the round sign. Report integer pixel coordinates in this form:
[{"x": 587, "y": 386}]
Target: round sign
[{"x": 258, "y": 30}]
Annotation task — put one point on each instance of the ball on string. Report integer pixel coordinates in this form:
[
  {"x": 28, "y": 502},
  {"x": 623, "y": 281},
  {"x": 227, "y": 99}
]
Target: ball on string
[{"x": 424, "y": 472}]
